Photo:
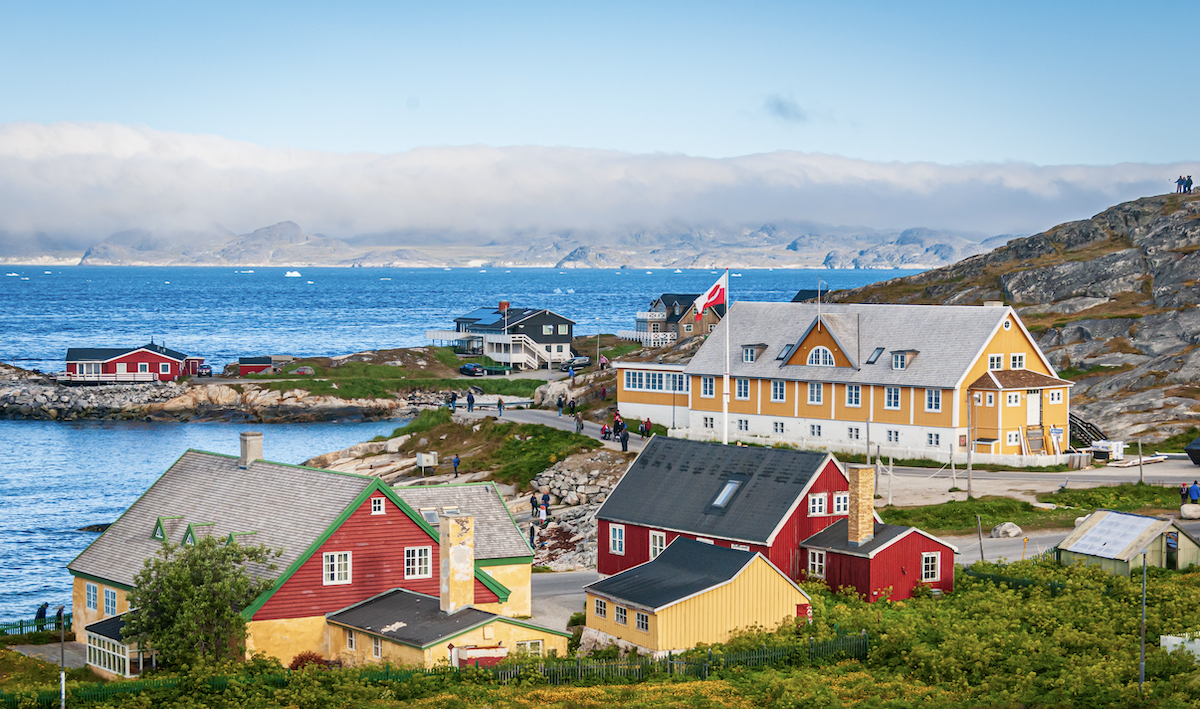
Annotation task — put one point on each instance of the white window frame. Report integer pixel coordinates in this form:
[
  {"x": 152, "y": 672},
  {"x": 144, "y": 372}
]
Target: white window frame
[
  {"x": 816, "y": 393},
  {"x": 110, "y": 602},
  {"x": 349, "y": 639},
  {"x": 933, "y": 440},
  {"x": 331, "y": 559},
  {"x": 854, "y": 396},
  {"x": 991, "y": 398},
  {"x": 740, "y": 547},
  {"x": 743, "y": 425},
  {"x": 778, "y": 391},
  {"x": 414, "y": 559},
  {"x": 642, "y": 621},
  {"x": 91, "y": 594},
  {"x": 814, "y": 430},
  {"x": 740, "y": 384},
  {"x": 547, "y": 329},
  {"x": 1056, "y": 397},
  {"x": 816, "y": 564},
  {"x": 708, "y": 387},
  {"x": 933, "y": 400},
  {"x": 779, "y": 430},
  {"x": 143, "y": 367},
  {"x": 563, "y": 328},
  {"x": 600, "y": 608},
  {"x": 658, "y": 543},
  {"x": 899, "y": 360},
  {"x": 995, "y": 362},
  {"x": 709, "y": 422},
  {"x": 1017, "y": 360},
  {"x": 1012, "y": 398},
  {"x": 377, "y": 506},
  {"x": 616, "y": 539},
  {"x": 164, "y": 368},
  {"x": 893, "y": 435},
  {"x": 560, "y": 348},
  {"x": 887, "y": 398},
  {"x": 817, "y": 504},
  {"x": 687, "y": 327},
  {"x": 705, "y": 540},
  {"x": 533, "y": 648},
  {"x": 1012, "y": 438},
  {"x": 841, "y": 503},
  {"x": 748, "y": 354},
  {"x": 821, "y": 357},
  {"x": 376, "y": 647},
  {"x": 620, "y": 615},
  {"x": 853, "y": 433},
  {"x": 926, "y": 576}
]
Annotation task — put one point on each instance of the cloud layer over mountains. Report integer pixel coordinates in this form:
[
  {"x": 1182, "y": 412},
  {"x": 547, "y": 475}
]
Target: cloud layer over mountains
[{"x": 79, "y": 182}]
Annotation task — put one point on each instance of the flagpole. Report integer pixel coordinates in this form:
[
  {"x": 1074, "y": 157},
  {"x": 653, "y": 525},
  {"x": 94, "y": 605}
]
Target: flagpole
[{"x": 728, "y": 337}]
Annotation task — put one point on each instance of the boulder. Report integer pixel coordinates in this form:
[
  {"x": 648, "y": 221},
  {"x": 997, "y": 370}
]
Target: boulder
[
  {"x": 1006, "y": 529},
  {"x": 1190, "y": 511},
  {"x": 394, "y": 444},
  {"x": 1081, "y": 520}
]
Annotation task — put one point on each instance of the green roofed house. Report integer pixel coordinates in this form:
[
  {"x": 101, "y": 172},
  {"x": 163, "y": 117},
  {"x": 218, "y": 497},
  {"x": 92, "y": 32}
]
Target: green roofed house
[
  {"x": 344, "y": 539},
  {"x": 1114, "y": 541}
]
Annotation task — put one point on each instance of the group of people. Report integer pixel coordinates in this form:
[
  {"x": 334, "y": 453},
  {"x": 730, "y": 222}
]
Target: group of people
[
  {"x": 1189, "y": 494},
  {"x": 570, "y": 405},
  {"x": 1183, "y": 185},
  {"x": 452, "y": 401}
]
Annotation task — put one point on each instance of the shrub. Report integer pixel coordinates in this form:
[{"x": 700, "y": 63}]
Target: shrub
[{"x": 306, "y": 658}]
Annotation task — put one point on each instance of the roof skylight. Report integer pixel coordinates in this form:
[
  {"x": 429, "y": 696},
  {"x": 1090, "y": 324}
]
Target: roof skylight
[
  {"x": 726, "y": 493},
  {"x": 875, "y": 355}
]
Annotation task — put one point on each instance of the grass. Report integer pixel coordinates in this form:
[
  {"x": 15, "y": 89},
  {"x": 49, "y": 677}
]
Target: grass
[
  {"x": 1175, "y": 443},
  {"x": 18, "y": 672},
  {"x": 1076, "y": 373},
  {"x": 375, "y": 388},
  {"x": 961, "y": 464}
]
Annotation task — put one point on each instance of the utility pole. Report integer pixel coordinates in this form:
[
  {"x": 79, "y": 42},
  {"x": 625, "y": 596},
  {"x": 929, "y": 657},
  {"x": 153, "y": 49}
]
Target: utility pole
[
  {"x": 979, "y": 529},
  {"x": 1142, "y": 664},
  {"x": 1141, "y": 470},
  {"x": 971, "y": 449},
  {"x": 62, "y": 656}
]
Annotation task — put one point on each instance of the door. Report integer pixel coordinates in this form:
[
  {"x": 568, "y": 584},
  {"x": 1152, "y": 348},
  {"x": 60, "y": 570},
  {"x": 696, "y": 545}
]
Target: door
[{"x": 1033, "y": 407}]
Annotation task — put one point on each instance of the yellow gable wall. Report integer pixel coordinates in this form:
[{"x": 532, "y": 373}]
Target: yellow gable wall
[
  {"x": 287, "y": 637},
  {"x": 817, "y": 338},
  {"x": 495, "y": 633},
  {"x": 364, "y": 651},
  {"x": 517, "y": 578},
  {"x": 81, "y": 615},
  {"x": 628, "y": 632}
]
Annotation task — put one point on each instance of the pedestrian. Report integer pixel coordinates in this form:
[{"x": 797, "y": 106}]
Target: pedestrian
[
  {"x": 500, "y": 405},
  {"x": 604, "y": 431},
  {"x": 1187, "y": 185},
  {"x": 560, "y": 406},
  {"x": 624, "y": 441},
  {"x": 546, "y": 500},
  {"x": 1194, "y": 492},
  {"x": 647, "y": 426},
  {"x": 40, "y": 616},
  {"x": 470, "y": 401},
  {"x": 579, "y": 422},
  {"x": 572, "y": 407},
  {"x": 603, "y": 362},
  {"x": 571, "y": 370},
  {"x": 455, "y": 461},
  {"x": 533, "y": 504},
  {"x": 603, "y": 392},
  {"x": 453, "y": 401},
  {"x": 532, "y": 535},
  {"x": 1179, "y": 184},
  {"x": 542, "y": 516},
  {"x": 1183, "y": 495}
]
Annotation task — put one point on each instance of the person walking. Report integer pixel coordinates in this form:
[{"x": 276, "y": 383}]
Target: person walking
[
  {"x": 455, "y": 461},
  {"x": 532, "y": 535},
  {"x": 533, "y": 505},
  {"x": 500, "y": 405},
  {"x": 546, "y": 500},
  {"x": 624, "y": 441},
  {"x": 470, "y": 401},
  {"x": 1194, "y": 492},
  {"x": 453, "y": 401},
  {"x": 1187, "y": 185},
  {"x": 572, "y": 372},
  {"x": 560, "y": 406},
  {"x": 1179, "y": 184},
  {"x": 572, "y": 407},
  {"x": 40, "y": 616},
  {"x": 579, "y": 422},
  {"x": 1183, "y": 496},
  {"x": 603, "y": 392},
  {"x": 647, "y": 426}
]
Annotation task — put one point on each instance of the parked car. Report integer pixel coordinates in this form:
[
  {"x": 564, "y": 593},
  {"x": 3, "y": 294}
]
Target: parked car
[
  {"x": 304, "y": 370},
  {"x": 204, "y": 370},
  {"x": 576, "y": 362},
  {"x": 471, "y": 369}
]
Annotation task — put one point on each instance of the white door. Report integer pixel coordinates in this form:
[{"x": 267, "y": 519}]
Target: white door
[
  {"x": 1033, "y": 407},
  {"x": 122, "y": 368}
]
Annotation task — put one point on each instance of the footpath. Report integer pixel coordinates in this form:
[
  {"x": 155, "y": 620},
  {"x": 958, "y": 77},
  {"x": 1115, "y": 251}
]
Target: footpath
[{"x": 553, "y": 420}]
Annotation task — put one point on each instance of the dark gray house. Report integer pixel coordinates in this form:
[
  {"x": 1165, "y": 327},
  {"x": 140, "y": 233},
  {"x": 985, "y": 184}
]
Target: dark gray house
[{"x": 525, "y": 338}]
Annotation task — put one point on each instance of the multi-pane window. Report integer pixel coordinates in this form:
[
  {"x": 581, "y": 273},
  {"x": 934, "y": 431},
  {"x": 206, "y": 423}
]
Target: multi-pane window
[
  {"x": 376, "y": 647},
  {"x": 337, "y": 568},
  {"x": 563, "y": 329},
  {"x": 110, "y": 602},
  {"x": 852, "y": 433},
  {"x": 91, "y": 591},
  {"x": 377, "y": 506},
  {"x": 1012, "y": 438},
  {"x": 621, "y": 615},
  {"x": 816, "y": 392},
  {"x": 144, "y": 367},
  {"x": 891, "y": 397},
  {"x": 743, "y": 389},
  {"x": 743, "y": 424},
  {"x": 816, "y": 504},
  {"x": 816, "y": 564},
  {"x": 1013, "y": 398},
  {"x": 933, "y": 399},
  {"x": 708, "y": 387},
  {"x": 748, "y": 354},
  {"x": 893, "y": 436},
  {"x": 658, "y": 542},
  {"x": 841, "y": 503},
  {"x": 1056, "y": 397},
  {"x": 643, "y": 622},
  {"x": 778, "y": 426},
  {"x": 853, "y": 395},
  {"x": 930, "y": 566},
  {"x": 709, "y": 422},
  {"x": 547, "y": 329},
  {"x": 821, "y": 357},
  {"x": 995, "y": 361},
  {"x": 417, "y": 562},
  {"x": 533, "y": 648},
  {"x": 778, "y": 391},
  {"x": 1017, "y": 361},
  {"x": 651, "y": 381},
  {"x": 814, "y": 430},
  {"x": 616, "y": 538},
  {"x": 164, "y": 368},
  {"x": 601, "y": 608},
  {"x": 899, "y": 360},
  {"x": 349, "y": 639},
  {"x": 933, "y": 439}
]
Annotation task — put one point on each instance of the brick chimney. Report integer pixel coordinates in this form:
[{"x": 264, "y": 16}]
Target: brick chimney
[
  {"x": 456, "y": 537},
  {"x": 862, "y": 504},
  {"x": 251, "y": 448},
  {"x": 503, "y": 305}
]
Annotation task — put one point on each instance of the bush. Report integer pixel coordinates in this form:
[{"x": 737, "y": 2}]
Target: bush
[{"x": 306, "y": 658}]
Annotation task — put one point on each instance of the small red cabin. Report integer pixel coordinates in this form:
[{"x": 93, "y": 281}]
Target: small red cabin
[
  {"x": 253, "y": 365},
  {"x": 147, "y": 363}
]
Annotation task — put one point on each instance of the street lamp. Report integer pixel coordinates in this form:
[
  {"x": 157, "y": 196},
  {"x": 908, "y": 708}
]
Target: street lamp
[
  {"x": 62, "y": 656},
  {"x": 1142, "y": 664}
]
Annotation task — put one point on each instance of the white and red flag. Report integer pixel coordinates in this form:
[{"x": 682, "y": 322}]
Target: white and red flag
[{"x": 715, "y": 295}]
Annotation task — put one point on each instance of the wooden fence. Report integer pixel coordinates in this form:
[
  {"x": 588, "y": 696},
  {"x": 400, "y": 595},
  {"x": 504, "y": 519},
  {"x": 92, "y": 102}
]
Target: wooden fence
[{"x": 24, "y": 627}]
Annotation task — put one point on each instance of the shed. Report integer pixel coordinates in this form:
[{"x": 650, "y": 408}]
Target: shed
[{"x": 1114, "y": 541}]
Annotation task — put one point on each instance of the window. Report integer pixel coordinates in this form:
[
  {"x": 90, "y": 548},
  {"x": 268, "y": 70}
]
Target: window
[
  {"x": 852, "y": 433},
  {"x": 814, "y": 430},
  {"x": 712, "y": 327},
  {"x": 726, "y": 493},
  {"x": 658, "y": 542},
  {"x": 748, "y": 354},
  {"x": 563, "y": 329},
  {"x": 778, "y": 428},
  {"x": 708, "y": 387},
  {"x": 875, "y": 355},
  {"x": 743, "y": 389},
  {"x": 1008, "y": 324},
  {"x": 743, "y": 424},
  {"x": 687, "y": 327},
  {"x": 995, "y": 361},
  {"x": 110, "y": 602},
  {"x": 601, "y": 608},
  {"x": 616, "y": 539},
  {"x": 816, "y": 564},
  {"x": 417, "y": 562},
  {"x": 547, "y": 329},
  {"x": 1013, "y": 398},
  {"x": 547, "y": 348},
  {"x": 778, "y": 391},
  {"x": 144, "y": 367},
  {"x": 376, "y": 647},
  {"x": 821, "y": 357},
  {"x": 816, "y": 504},
  {"x": 533, "y": 648},
  {"x": 1013, "y": 438},
  {"x": 893, "y": 436},
  {"x": 1056, "y": 397},
  {"x": 931, "y": 566},
  {"x": 708, "y": 422},
  {"x": 337, "y": 568},
  {"x": 933, "y": 439},
  {"x": 784, "y": 352},
  {"x": 560, "y": 348},
  {"x": 891, "y": 398},
  {"x": 349, "y": 639},
  {"x": 853, "y": 395},
  {"x": 643, "y": 622},
  {"x": 991, "y": 399},
  {"x": 1017, "y": 361},
  {"x": 431, "y": 516},
  {"x": 816, "y": 392},
  {"x": 899, "y": 360},
  {"x": 933, "y": 399},
  {"x": 841, "y": 503},
  {"x": 377, "y": 506},
  {"x": 90, "y": 590},
  {"x": 164, "y": 368},
  {"x": 621, "y": 615}
]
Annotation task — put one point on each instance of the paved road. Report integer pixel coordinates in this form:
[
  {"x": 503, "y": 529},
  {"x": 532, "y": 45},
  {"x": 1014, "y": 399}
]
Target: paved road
[
  {"x": 557, "y": 595},
  {"x": 76, "y": 653},
  {"x": 563, "y": 423},
  {"x": 1170, "y": 472}
]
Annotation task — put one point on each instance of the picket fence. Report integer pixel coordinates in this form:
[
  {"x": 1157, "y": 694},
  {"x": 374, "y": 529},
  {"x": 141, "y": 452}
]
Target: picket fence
[
  {"x": 550, "y": 670},
  {"x": 24, "y": 627}
]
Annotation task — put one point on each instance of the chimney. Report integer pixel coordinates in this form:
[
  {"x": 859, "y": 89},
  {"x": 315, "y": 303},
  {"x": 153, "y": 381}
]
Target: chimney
[
  {"x": 993, "y": 303},
  {"x": 456, "y": 535},
  {"x": 503, "y": 305},
  {"x": 251, "y": 448},
  {"x": 862, "y": 504}
]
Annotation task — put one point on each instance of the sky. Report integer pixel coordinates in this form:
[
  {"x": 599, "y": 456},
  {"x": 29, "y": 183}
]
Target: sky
[{"x": 1096, "y": 93}]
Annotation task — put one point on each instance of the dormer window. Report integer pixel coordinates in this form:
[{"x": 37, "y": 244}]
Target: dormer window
[
  {"x": 748, "y": 354},
  {"x": 899, "y": 360},
  {"x": 875, "y": 355},
  {"x": 821, "y": 357}
]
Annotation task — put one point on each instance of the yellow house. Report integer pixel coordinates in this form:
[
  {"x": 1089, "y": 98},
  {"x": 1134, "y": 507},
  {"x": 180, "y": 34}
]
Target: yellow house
[
  {"x": 1114, "y": 541},
  {"x": 912, "y": 380},
  {"x": 690, "y": 593}
]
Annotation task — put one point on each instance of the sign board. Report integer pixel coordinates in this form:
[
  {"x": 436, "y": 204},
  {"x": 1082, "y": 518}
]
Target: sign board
[
  {"x": 962, "y": 441},
  {"x": 1056, "y": 433}
]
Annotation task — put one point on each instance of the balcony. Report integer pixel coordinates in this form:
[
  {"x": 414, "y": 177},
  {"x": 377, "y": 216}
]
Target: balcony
[
  {"x": 649, "y": 339},
  {"x": 652, "y": 315},
  {"x": 109, "y": 378}
]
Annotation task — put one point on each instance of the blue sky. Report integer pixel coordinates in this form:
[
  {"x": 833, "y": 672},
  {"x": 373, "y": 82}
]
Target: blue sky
[{"x": 1047, "y": 83}]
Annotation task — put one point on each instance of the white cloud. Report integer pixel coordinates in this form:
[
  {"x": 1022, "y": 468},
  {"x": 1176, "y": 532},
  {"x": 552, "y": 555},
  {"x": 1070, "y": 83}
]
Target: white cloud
[{"x": 89, "y": 180}]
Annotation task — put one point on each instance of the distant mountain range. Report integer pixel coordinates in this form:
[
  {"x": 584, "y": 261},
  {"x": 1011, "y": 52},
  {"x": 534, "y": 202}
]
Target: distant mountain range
[{"x": 774, "y": 245}]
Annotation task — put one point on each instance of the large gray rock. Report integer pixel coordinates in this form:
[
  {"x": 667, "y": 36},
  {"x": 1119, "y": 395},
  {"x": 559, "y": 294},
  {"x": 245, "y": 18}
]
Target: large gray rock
[
  {"x": 1190, "y": 511},
  {"x": 1123, "y": 272},
  {"x": 1005, "y": 529}
]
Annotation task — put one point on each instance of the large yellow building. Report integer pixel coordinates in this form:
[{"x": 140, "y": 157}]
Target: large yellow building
[{"x": 912, "y": 380}]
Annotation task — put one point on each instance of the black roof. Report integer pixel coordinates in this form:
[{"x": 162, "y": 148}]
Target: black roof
[
  {"x": 836, "y": 537},
  {"x": 684, "y": 568},
  {"x": 103, "y": 354},
  {"x": 109, "y": 627},
  {"x": 690, "y": 474},
  {"x": 165, "y": 351},
  {"x": 255, "y": 360},
  {"x": 495, "y": 319},
  {"x": 410, "y": 618}
]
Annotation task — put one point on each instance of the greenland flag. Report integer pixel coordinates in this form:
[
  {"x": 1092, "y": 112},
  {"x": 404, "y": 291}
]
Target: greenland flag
[{"x": 715, "y": 295}]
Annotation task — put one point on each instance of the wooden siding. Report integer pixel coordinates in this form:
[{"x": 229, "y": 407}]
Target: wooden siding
[
  {"x": 376, "y": 544},
  {"x": 899, "y": 567},
  {"x": 817, "y": 338},
  {"x": 131, "y": 361}
]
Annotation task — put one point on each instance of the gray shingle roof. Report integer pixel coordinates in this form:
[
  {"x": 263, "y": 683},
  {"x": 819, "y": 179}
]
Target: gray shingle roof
[
  {"x": 836, "y": 538},
  {"x": 496, "y": 534},
  {"x": 947, "y": 337},
  {"x": 287, "y": 506},
  {"x": 407, "y": 617},
  {"x": 96, "y": 354},
  {"x": 673, "y": 483}
]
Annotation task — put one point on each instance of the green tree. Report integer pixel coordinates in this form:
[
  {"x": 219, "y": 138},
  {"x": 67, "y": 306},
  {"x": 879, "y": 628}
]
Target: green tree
[{"x": 188, "y": 599}]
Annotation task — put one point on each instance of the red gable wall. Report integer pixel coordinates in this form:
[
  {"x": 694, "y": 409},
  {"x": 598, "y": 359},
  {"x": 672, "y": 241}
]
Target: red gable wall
[
  {"x": 152, "y": 358},
  {"x": 899, "y": 566},
  {"x": 376, "y": 544}
]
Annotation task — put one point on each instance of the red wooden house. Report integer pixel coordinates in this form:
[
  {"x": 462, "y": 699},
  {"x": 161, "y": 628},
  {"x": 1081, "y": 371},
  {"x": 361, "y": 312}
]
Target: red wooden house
[
  {"x": 254, "y": 365},
  {"x": 879, "y": 561},
  {"x": 754, "y": 499},
  {"x": 147, "y": 363}
]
